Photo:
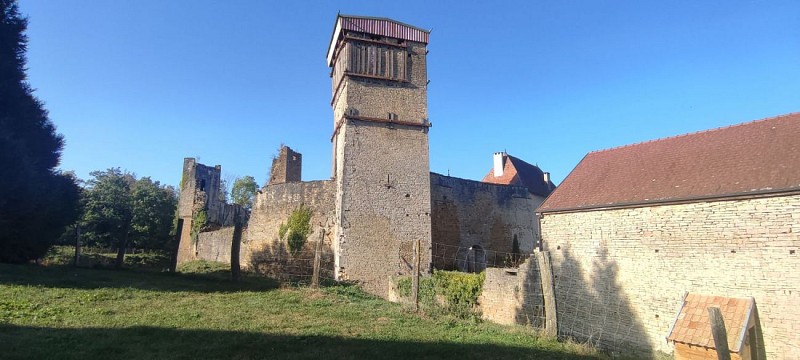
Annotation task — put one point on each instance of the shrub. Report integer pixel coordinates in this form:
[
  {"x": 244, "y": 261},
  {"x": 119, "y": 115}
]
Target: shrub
[
  {"x": 298, "y": 226},
  {"x": 447, "y": 293}
]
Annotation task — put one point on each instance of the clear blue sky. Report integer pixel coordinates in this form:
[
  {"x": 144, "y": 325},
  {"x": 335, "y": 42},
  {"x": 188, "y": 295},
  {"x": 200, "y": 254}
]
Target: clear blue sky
[{"x": 143, "y": 84}]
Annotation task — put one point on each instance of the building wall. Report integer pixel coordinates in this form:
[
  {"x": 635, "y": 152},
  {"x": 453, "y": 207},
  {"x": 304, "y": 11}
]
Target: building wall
[
  {"x": 215, "y": 245},
  {"x": 382, "y": 177},
  {"x": 286, "y": 167},
  {"x": 620, "y": 274},
  {"x": 467, "y": 213},
  {"x": 513, "y": 296},
  {"x": 262, "y": 250},
  {"x": 384, "y": 204}
]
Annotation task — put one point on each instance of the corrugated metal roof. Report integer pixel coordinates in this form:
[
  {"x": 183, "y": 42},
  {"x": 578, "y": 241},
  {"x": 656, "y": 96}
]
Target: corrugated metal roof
[{"x": 376, "y": 26}]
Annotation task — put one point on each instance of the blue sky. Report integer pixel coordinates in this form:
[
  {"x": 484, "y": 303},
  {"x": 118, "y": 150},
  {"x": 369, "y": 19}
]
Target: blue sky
[{"x": 142, "y": 84}]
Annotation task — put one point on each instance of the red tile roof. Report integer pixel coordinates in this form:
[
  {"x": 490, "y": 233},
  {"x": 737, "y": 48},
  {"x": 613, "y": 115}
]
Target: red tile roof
[
  {"x": 520, "y": 173},
  {"x": 693, "y": 327},
  {"x": 750, "y": 158}
]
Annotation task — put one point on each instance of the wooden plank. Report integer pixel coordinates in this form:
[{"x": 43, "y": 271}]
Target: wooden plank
[
  {"x": 548, "y": 292},
  {"x": 317, "y": 259},
  {"x": 719, "y": 333}
]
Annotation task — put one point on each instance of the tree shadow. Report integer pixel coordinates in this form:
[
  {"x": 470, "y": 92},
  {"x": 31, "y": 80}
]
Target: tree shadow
[
  {"x": 597, "y": 311},
  {"x": 163, "y": 343},
  {"x": 211, "y": 281}
]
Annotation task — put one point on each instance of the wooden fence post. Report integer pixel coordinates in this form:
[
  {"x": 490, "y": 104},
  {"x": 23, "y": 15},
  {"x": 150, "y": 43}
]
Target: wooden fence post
[
  {"x": 548, "y": 293},
  {"x": 719, "y": 333},
  {"x": 415, "y": 276},
  {"x": 236, "y": 244},
  {"x": 317, "y": 260},
  {"x": 77, "y": 245}
]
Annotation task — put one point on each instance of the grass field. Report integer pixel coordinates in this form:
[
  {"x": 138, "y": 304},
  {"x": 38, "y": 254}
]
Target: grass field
[{"x": 49, "y": 312}]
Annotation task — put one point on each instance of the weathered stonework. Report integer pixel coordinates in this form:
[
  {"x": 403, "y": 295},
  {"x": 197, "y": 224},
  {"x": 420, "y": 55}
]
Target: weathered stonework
[
  {"x": 466, "y": 213},
  {"x": 513, "y": 296},
  {"x": 382, "y": 174},
  {"x": 620, "y": 274},
  {"x": 200, "y": 191},
  {"x": 286, "y": 167},
  {"x": 263, "y": 251}
]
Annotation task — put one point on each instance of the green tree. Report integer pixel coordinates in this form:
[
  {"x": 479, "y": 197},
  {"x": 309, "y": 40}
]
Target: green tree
[
  {"x": 121, "y": 211},
  {"x": 244, "y": 191},
  {"x": 108, "y": 209},
  {"x": 37, "y": 202},
  {"x": 153, "y": 210}
]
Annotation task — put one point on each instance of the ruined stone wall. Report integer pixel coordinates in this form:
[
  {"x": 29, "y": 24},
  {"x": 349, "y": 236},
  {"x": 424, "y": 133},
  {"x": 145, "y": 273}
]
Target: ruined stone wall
[
  {"x": 467, "y": 213},
  {"x": 263, "y": 251},
  {"x": 513, "y": 296},
  {"x": 620, "y": 274},
  {"x": 215, "y": 245},
  {"x": 287, "y": 167}
]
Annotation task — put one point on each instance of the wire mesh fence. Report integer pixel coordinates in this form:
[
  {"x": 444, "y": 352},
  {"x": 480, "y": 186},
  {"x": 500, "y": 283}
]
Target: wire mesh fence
[{"x": 472, "y": 258}]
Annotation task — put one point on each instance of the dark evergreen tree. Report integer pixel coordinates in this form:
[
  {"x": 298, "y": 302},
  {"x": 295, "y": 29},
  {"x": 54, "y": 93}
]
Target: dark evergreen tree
[{"x": 36, "y": 201}]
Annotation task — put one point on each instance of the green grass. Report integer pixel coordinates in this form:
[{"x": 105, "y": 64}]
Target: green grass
[{"x": 61, "y": 312}]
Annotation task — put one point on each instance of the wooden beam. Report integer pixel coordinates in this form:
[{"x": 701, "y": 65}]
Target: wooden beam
[{"x": 548, "y": 293}]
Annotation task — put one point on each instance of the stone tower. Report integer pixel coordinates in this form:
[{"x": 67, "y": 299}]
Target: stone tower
[
  {"x": 286, "y": 167},
  {"x": 380, "y": 156}
]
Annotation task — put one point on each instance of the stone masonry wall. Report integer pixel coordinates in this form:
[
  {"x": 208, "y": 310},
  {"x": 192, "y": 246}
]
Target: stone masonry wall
[
  {"x": 384, "y": 204},
  {"x": 382, "y": 177},
  {"x": 215, "y": 245},
  {"x": 620, "y": 274},
  {"x": 286, "y": 167},
  {"x": 467, "y": 213},
  {"x": 513, "y": 296},
  {"x": 262, "y": 251}
]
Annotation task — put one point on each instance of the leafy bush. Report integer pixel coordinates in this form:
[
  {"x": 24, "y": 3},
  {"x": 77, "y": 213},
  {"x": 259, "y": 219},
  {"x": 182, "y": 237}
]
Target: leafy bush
[
  {"x": 198, "y": 223},
  {"x": 447, "y": 293},
  {"x": 298, "y": 226}
]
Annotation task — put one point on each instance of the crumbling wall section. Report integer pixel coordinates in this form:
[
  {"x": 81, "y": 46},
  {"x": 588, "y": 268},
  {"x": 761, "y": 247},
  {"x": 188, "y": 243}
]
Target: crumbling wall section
[
  {"x": 215, "y": 245},
  {"x": 466, "y": 213},
  {"x": 286, "y": 167},
  {"x": 513, "y": 295},
  {"x": 264, "y": 252}
]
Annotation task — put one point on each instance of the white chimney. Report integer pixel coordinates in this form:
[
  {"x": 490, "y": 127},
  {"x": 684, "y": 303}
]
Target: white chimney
[{"x": 499, "y": 163}]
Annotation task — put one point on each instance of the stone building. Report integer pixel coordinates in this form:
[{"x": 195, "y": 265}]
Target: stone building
[
  {"x": 634, "y": 228},
  {"x": 382, "y": 198}
]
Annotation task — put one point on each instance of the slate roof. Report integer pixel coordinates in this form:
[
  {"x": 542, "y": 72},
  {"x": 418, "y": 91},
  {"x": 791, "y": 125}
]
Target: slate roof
[
  {"x": 519, "y": 173},
  {"x": 752, "y": 158},
  {"x": 692, "y": 325}
]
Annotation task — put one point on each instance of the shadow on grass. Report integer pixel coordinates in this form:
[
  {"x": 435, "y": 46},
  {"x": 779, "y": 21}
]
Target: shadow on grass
[
  {"x": 214, "y": 281},
  {"x": 162, "y": 343}
]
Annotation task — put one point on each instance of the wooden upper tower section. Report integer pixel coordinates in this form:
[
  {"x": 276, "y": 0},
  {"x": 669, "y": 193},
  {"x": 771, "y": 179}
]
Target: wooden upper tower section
[{"x": 387, "y": 57}]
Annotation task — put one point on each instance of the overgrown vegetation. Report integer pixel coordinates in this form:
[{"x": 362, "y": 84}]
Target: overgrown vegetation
[
  {"x": 296, "y": 228},
  {"x": 199, "y": 220},
  {"x": 93, "y": 257},
  {"x": 67, "y": 313},
  {"x": 449, "y": 293}
]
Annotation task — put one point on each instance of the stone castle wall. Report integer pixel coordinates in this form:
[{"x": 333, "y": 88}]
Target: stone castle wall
[
  {"x": 467, "y": 213},
  {"x": 513, "y": 296},
  {"x": 286, "y": 167},
  {"x": 620, "y": 274},
  {"x": 384, "y": 204},
  {"x": 262, "y": 250},
  {"x": 382, "y": 177},
  {"x": 215, "y": 245}
]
